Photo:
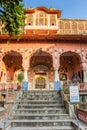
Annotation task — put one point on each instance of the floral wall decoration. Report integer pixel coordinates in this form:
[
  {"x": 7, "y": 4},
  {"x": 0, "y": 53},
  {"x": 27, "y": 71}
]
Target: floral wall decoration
[
  {"x": 18, "y": 49},
  {"x": 26, "y": 50}
]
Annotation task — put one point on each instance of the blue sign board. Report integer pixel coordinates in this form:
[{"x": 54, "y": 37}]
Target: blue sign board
[{"x": 25, "y": 85}]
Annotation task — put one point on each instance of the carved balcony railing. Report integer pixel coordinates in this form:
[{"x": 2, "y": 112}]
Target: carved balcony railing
[
  {"x": 83, "y": 87},
  {"x": 3, "y": 113},
  {"x": 8, "y": 91},
  {"x": 82, "y": 115},
  {"x": 9, "y": 86}
]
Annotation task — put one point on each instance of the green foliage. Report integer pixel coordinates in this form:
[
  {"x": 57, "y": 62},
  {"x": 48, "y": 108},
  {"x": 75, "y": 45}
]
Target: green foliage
[
  {"x": 66, "y": 91},
  {"x": 12, "y": 16},
  {"x": 62, "y": 77},
  {"x": 20, "y": 77},
  {"x": 79, "y": 79}
]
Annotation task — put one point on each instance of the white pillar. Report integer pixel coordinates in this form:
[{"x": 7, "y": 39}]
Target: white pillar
[
  {"x": 84, "y": 76},
  {"x": 84, "y": 65},
  {"x": 25, "y": 74},
  {"x": 47, "y": 82},
  {"x": 56, "y": 75}
]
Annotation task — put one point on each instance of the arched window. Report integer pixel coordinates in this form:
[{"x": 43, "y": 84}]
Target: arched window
[
  {"x": 52, "y": 20},
  {"x": 30, "y": 19},
  {"x": 41, "y": 19}
]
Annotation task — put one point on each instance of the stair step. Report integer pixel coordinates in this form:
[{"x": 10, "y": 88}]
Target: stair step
[
  {"x": 44, "y": 128},
  {"x": 41, "y": 116},
  {"x": 38, "y": 111},
  {"x": 39, "y": 102},
  {"x": 27, "y": 123},
  {"x": 42, "y": 105},
  {"x": 41, "y": 92},
  {"x": 41, "y": 96},
  {"x": 49, "y": 98}
]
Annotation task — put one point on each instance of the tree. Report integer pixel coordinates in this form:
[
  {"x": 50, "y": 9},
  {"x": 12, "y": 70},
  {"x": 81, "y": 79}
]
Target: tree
[{"x": 12, "y": 16}]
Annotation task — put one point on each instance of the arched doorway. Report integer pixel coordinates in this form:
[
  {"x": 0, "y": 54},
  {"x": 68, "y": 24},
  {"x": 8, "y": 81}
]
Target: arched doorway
[
  {"x": 41, "y": 63},
  {"x": 13, "y": 63},
  {"x": 70, "y": 64}
]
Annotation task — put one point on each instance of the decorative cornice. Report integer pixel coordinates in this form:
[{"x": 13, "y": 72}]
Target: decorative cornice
[{"x": 45, "y": 38}]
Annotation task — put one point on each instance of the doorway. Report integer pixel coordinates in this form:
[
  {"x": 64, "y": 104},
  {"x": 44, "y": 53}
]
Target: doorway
[
  {"x": 40, "y": 82},
  {"x": 41, "y": 63}
]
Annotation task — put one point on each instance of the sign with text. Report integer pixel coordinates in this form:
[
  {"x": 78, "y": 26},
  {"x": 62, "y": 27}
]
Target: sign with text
[
  {"x": 74, "y": 94},
  {"x": 25, "y": 85}
]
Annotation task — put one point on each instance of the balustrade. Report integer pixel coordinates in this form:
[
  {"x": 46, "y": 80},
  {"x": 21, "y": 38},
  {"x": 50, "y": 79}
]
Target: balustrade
[
  {"x": 83, "y": 86},
  {"x": 82, "y": 115},
  {"x": 8, "y": 92},
  {"x": 9, "y": 86},
  {"x": 2, "y": 113}
]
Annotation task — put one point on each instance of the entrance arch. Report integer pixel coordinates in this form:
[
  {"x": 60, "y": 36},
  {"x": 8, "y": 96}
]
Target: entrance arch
[
  {"x": 70, "y": 64},
  {"x": 41, "y": 63},
  {"x": 13, "y": 63}
]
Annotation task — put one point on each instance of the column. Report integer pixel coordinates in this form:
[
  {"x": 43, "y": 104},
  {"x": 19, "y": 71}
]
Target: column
[
  {"x": 25, "y": 84},
  {"x": 25, "y": 74},
  {"x": 57, "y": 84},
  {"x": 47, "y": 82},
  {"x": 25, "y": 65},
  {"x": 56, "y": 74},
  {"x": 84, "y": 75},
  {"x": 84, "y": 69},
  {"x": 56, "y": 64}
]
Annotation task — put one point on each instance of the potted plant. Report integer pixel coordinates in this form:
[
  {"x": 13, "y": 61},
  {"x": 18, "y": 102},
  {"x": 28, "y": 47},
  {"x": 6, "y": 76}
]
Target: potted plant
[
  {"x": 66, "y": 93},
  {"x": 20, "y": 78},
  {"x": 79, "y": 79}
]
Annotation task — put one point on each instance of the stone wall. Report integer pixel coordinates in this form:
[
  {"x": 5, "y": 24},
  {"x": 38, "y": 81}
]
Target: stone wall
[{"x": 73, "y": 26}]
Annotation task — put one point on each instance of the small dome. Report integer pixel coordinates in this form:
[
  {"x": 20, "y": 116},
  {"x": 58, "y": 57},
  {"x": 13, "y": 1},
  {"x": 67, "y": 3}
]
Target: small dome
[
  {"x": 51, "y": 8},
  {"x": 30, "y": 8}
]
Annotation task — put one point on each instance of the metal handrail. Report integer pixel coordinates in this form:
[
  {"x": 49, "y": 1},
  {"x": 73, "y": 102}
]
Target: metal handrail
[
  {"x": 9, "y": 113},
  {"x": 63, "y": 97}
]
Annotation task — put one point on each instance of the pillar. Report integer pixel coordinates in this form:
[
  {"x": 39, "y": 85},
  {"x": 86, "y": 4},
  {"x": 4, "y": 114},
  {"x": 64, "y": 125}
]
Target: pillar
[
  {"x": 25, "y": 65},
  {"x": 84, "y": 75},
  {"x": 56, "y": 64},
  {"x": 47, "y": 82},
  {"x": 25, "y": 74},
  {"x": 83, "y": 56},
  {"x": 56, "y": 74},
  {"x": 25, "y": 83},
  {"x": 57, "y": 85}
]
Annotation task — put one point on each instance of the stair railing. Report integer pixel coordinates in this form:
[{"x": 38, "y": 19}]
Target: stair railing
[
  {"x": 6, "y": 122},
  {"x": 74, "y": 115}
]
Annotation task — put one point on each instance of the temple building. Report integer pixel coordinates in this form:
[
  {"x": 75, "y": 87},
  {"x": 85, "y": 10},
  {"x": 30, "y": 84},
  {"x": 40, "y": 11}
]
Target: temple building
[{"x": 50, "y": 49}]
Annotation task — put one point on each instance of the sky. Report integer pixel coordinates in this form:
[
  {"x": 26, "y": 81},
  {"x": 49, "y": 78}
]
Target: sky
[{"x": 70, "y": 8}]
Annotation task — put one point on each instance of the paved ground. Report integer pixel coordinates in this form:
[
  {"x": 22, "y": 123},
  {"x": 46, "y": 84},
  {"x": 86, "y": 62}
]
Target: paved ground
[{"x": 83, "y": 125}]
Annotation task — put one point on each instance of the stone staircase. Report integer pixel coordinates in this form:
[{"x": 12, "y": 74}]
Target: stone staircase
[{"x": 41, "y": 110}]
